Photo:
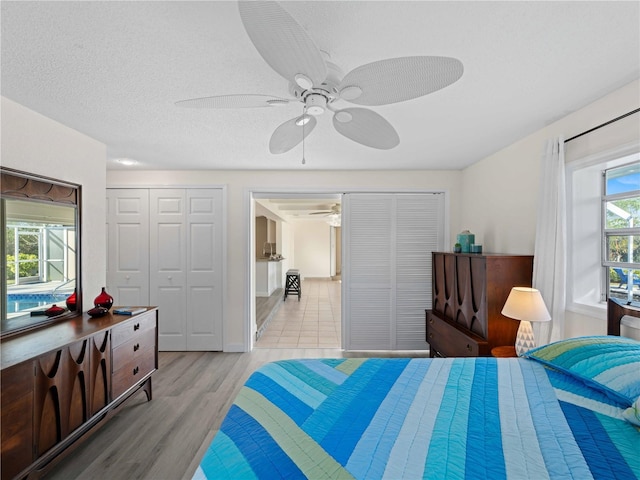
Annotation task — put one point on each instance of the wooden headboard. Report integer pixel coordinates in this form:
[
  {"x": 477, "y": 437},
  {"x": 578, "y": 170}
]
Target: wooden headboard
[{"x": 615, "y": 312}]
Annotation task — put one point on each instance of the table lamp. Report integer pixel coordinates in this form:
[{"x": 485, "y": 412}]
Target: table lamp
[{"x": 525, "y": 304}]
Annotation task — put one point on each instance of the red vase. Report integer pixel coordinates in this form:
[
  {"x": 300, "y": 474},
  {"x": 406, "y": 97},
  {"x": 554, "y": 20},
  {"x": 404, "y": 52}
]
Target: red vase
[
  {"x": 72, "y": 302},
  {"x": 53, "y": 311},
  {"x": 103, "y": 300}
]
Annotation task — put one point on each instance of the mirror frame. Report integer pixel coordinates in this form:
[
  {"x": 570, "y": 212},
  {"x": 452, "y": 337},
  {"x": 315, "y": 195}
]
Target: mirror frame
[{"x": 17, "y": 185}]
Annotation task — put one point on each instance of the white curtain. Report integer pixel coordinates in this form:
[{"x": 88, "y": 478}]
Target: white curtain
[{"x": 550, "y": 256}]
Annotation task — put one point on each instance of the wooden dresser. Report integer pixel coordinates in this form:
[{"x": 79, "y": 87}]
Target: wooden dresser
[
  {"x": 61, "y": 382},
  {"x": 469, "y": 291}
]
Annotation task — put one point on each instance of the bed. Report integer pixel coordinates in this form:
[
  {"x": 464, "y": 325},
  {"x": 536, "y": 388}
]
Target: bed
[{"x": 569, "y": 410}]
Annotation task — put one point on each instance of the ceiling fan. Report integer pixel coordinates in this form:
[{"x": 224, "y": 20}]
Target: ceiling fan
[
  {"x": 335, "y": 210},
  {"x": 318, "y": 83}
]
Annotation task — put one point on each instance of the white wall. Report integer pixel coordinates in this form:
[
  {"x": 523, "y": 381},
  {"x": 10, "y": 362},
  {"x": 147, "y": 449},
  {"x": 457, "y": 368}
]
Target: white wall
[
  {"x": 239, "y": 185},
  {"x": 286, "y": 239},
  {"x": 36, "y": 144},
  {"x": 500, "y": 193},
  {"x": 312, "y": 245}
]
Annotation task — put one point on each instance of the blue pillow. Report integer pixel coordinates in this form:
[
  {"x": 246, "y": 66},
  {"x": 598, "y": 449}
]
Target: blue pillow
[{"x": 607, "y": 363}]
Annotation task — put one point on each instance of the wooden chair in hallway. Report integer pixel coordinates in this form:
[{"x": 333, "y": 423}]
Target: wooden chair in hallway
[{"x": 293, "y": 284}]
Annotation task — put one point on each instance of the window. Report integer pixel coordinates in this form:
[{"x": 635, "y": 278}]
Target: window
[
  {"x": 621, "y": 232},
  {"x": 599, "y": 189},
  {"x": 23, "y": 254}
]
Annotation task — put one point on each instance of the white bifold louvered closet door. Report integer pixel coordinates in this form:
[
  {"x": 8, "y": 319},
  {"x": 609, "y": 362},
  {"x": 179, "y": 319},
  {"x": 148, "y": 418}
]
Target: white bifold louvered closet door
[
  {"x": 165, "y": 249},
  {"x": 388, "y": 240}
]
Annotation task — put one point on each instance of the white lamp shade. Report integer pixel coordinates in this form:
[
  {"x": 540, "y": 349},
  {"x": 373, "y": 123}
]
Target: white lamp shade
[{"x": 526, "y": 304}]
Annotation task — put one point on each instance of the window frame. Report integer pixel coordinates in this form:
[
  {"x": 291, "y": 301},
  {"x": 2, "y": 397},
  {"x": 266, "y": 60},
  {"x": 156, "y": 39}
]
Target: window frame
[
  {"x": 592, "y": 303},
  {"x": 609, "y": 232}
]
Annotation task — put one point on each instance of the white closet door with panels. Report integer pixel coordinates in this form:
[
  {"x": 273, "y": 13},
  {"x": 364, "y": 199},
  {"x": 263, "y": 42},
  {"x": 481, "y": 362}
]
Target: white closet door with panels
[
  {"x": 128, "y": 246},
  {"x": 204, "y": 269},
  {"x": 168, "y": 266},
  {"x": 388, "y": 240},
  {"x": 182, "y": 248}
]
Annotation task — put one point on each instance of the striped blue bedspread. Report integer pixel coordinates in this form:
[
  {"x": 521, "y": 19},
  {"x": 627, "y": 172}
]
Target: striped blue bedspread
[{"x": 455, "y": 418}]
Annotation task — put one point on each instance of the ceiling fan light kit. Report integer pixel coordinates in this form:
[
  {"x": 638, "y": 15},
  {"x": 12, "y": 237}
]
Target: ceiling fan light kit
[
  {"x": 317, "y": 83},
  {"x": 350, "y": 92},
  {"x": 316, "y": 104},
  {"x": 302, "y": 120},
  {"x": 343, "y": 116},
  {"x": 303, "y": 81}
]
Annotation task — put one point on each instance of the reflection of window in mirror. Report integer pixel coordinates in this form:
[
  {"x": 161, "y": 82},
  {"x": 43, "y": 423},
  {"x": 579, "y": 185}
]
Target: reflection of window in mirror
[{"x": 40, "y": 244}]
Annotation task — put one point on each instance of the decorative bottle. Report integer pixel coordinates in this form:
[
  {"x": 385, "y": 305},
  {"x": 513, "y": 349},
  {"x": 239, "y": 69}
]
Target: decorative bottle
[
  {"x": 103, "y": 300},
  {"x": 72, "y": 302}
]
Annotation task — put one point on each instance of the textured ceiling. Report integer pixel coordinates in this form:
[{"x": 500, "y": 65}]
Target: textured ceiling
[{"x": 113, "y": 71}]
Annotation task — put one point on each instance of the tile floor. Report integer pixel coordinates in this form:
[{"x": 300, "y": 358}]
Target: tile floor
[{"x": 312, "y": 322}]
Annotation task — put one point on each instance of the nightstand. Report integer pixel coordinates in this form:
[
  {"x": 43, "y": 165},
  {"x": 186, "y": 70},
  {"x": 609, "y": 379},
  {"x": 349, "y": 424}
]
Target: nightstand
[{"x": 504, "y": 352}]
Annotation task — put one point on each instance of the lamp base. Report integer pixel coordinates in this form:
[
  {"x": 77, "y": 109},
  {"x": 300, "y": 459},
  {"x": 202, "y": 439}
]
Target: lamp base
[{"x": 525, "y": 340}]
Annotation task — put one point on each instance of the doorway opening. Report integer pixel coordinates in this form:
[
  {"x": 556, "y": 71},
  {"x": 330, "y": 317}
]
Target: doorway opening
[{"x": 303, "y": 232}]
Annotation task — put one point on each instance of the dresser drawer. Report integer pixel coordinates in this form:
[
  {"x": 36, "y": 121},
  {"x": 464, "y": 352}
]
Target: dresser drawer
[
  {"x": 136, "y": 325},
  {"x": 132, "y": 371},
  {"x": 134, "y": 348},
  {"x": 449, "y": 340}
]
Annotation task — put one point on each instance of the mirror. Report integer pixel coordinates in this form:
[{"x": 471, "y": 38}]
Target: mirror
[{"x": 40, "y": 245}]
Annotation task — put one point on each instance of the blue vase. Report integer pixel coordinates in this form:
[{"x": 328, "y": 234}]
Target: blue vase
[{"x": 465, "y": 240}]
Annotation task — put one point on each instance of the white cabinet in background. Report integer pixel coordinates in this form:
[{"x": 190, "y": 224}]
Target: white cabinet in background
[{"x": 268, "y": 277}]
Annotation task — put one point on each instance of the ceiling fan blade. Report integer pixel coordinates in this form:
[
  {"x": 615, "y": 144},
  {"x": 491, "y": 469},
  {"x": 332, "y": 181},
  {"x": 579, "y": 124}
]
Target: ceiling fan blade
[
  {"x": 289, "y": 134},
  {"x": 398, "y": 79},
  {"x": 233, "y": 101},
  {"x": 366, "y": 127},
  {"x": 282, "y": 41}
]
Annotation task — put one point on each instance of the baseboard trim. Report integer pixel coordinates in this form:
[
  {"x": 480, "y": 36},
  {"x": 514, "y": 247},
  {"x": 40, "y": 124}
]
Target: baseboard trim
[{"x": 234, "y": 348}]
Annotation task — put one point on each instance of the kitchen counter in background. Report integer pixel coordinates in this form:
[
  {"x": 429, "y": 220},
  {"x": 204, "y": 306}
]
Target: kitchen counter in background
[{"x": 268, "y": 276}]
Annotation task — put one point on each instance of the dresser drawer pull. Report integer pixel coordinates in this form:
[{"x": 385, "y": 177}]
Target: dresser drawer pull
[
  {"x": 136, "y": 327},
  {"x": 430, "y": 335},
  {"x": 136, "y": 347},
  {"x": 136, "y": 370},
  {"x": 431, "y": 321},
  {"x": 469, "y": 347}
]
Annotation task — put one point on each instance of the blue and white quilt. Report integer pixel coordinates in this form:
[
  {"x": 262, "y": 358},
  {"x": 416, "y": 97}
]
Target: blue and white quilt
[{"x": 411, "y": 418}]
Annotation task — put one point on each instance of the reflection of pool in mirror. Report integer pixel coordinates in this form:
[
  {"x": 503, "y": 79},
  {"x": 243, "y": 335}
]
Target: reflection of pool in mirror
[
  {"x": 22, "y": 300},
  {"x": 18, "y": 302}
]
